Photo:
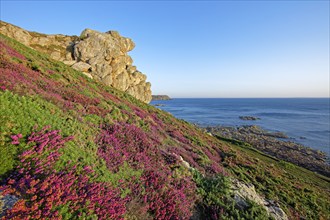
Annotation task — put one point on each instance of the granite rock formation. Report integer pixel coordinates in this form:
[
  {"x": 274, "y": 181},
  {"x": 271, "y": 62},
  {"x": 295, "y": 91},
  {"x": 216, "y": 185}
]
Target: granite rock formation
[{"x": 101, "y": 56}]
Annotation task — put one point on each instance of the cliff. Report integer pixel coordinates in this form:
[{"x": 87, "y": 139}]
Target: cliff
[{"x": 101, "y": 56}]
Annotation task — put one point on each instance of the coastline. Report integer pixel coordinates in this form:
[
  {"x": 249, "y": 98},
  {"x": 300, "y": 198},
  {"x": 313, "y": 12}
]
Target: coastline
[
  {"x": 275, "y": 144},
  {"x": 250, "y": 132},
  {"x": 304, "y": 120}
]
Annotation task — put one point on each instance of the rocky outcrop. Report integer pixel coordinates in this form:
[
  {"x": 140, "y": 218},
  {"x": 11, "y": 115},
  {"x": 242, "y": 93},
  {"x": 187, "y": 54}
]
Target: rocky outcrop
[
  {"x": 101, "y": 56},
  {"x": 160, "y": 97},
  {"x": 246, "y": 192},
  {"x": 58, "y": 46}
]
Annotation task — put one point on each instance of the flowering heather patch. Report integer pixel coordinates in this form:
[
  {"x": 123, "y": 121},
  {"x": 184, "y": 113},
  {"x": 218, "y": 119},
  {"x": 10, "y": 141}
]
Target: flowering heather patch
[
  {"x": 213, "y": 155},
  {"x": 163, "y": 196},
  {"x": 5, "y": 49},
  {"x": 124, "y": 142},
  {"x": 188, "y": 156},
  {"x": 178, "y": 136},
  {"x": 143, "y": 154},
  {"x": 158, "y": 122},
  {"x": 92, "y": 109},
  {"x": 24, "y": 80},
  {"x": 45, "y": 192},
  {"x": 15, "y": 138},
  {"x": 140, "y": 113},
  {"x": 111, "y": 97},
  {"x": 167, "y": 198}
]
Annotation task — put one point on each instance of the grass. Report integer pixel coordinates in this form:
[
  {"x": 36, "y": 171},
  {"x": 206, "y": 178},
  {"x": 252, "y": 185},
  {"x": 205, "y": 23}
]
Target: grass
[
  {"x": 294, "y": 187},
  {"x": 147, "y": 166}
]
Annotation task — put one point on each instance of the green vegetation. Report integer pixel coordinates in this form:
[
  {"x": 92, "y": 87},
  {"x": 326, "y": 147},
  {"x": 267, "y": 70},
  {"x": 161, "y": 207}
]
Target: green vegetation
[
  {"x": 289, "y": 185},
  {"x": 103, "y": 140},
  {"x": 217, "y": 200}
]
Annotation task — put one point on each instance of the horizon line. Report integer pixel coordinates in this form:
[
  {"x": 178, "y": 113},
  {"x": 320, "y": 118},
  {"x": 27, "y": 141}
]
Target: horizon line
[{"x": 250, "y": 97}]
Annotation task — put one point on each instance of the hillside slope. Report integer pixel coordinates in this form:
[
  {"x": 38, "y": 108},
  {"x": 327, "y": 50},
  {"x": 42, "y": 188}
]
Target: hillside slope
[{"x": 72, "y": 148}]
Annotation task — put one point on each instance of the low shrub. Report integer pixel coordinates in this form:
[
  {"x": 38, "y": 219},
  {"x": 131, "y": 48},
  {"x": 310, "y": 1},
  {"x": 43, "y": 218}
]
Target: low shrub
[{"x": 45, "y": 192}]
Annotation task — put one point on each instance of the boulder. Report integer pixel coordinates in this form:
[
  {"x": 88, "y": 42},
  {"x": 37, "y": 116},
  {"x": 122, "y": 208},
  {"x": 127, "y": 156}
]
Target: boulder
[
  {"x": 107, "y": 55},
  {"x": 83, "y": 67}
]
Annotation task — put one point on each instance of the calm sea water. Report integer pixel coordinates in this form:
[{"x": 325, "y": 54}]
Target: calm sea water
[{"x": 305, "y": 120}]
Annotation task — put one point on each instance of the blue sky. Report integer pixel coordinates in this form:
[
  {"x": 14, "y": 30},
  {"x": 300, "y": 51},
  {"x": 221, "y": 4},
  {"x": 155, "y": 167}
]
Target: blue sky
[{"x": 204, "y": 48}]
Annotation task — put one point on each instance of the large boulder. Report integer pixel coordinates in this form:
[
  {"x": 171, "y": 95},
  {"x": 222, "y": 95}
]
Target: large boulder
[
  {"x": 106, "y": 53},
  {"x": 102, "y": 56}
]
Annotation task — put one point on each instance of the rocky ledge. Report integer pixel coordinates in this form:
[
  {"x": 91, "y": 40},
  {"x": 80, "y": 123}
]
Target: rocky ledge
[
  {"x": 160, "y": 97},
  {"x": 272, "y": 143},
  {"x": 101, "y": 56}
]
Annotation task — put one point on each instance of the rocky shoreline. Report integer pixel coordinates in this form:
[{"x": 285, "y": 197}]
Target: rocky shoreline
[{"x": 276, "y": 144}]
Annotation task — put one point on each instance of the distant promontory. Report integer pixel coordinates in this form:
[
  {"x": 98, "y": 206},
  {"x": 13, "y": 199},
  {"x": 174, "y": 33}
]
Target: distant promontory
[{"x": 160, "y": 97}]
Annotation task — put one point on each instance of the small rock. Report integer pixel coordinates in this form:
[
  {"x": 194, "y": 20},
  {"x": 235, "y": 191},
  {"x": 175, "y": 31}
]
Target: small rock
[
  {"x": 185, "y": 163},
  {"x": 6, "y": 202},
  {"x": 248, "y": 118}
]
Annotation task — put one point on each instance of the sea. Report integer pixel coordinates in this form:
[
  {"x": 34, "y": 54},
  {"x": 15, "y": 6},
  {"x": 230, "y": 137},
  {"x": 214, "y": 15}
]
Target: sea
[{"x": 304, "y": 120}]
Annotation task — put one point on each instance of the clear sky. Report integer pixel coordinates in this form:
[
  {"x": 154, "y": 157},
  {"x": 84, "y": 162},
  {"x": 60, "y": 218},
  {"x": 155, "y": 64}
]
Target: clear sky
[{"x": 204, "y": 48}]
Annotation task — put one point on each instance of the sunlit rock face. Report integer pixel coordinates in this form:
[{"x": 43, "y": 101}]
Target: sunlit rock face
[{"x": 101, "y": 56}]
